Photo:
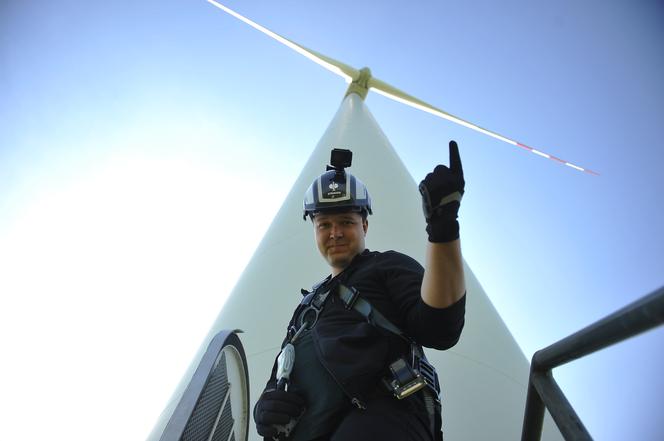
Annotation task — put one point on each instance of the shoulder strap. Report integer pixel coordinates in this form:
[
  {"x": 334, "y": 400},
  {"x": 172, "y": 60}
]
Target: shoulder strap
[{"x": 352, "y": 300}]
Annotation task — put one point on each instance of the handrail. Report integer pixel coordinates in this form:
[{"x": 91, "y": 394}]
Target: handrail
[{"x": 543, "y": 391}]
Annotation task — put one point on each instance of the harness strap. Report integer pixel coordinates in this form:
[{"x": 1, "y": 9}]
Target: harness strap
[
  {"x": 352, "y": 300},
  {"x": 307, "y": 313}
]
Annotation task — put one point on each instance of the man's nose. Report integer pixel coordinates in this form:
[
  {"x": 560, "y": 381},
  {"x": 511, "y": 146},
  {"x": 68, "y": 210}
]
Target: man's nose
[{"x": 336, "y": 231}]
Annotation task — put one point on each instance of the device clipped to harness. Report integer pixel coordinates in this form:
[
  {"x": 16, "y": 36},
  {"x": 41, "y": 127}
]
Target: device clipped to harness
[{"x": 409, "y": 377}]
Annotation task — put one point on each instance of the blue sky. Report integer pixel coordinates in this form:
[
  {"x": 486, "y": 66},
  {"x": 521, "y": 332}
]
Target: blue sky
[{"x": 135, "y": 135}]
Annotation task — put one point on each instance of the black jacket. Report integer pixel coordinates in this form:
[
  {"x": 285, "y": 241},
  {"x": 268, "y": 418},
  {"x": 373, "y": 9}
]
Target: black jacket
[{"x": 357, "y": 353}]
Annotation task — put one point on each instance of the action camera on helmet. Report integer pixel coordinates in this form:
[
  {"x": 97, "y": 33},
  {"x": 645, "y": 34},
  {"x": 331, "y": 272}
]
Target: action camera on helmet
[{"x": 340, "y": 159}]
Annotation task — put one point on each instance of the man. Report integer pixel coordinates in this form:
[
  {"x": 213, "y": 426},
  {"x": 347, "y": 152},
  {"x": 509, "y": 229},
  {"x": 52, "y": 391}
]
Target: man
[{"x": 359, "y": 371}]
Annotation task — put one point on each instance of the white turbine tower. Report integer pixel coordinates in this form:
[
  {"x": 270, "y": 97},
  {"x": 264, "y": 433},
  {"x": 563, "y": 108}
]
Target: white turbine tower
[{"x": 483, "y": 378}]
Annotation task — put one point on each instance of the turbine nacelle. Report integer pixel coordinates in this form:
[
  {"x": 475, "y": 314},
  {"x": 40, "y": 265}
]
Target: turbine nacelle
[{"x": 360, "y": 84}]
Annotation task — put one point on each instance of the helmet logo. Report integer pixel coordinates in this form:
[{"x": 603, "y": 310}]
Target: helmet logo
[{"x": 334, "y": 192}]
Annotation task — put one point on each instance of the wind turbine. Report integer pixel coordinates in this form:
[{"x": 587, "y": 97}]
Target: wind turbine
[{"x": 484, "y": 377}]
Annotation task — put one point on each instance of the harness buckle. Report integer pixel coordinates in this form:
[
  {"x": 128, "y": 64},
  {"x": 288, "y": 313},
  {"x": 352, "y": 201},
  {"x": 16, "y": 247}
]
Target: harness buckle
[{"x": 354, "y": 295}]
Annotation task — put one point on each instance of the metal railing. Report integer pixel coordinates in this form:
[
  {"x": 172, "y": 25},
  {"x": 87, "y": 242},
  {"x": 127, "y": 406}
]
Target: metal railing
[{"x": 543, "y": 391}]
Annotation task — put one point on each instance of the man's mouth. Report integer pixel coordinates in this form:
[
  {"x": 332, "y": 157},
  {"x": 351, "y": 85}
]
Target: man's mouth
[{"x": 335, "y": 246}]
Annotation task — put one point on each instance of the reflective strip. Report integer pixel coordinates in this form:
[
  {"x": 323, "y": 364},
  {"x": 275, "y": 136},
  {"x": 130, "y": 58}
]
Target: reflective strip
[{"x": 456, "y": 196}]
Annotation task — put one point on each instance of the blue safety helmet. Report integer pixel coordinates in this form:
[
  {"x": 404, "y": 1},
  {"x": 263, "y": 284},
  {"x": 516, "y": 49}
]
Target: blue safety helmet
[{"x": 336, "y": 190}]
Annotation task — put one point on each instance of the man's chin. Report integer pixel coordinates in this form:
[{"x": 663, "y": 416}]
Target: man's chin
[{"x": 338, "y": 261}]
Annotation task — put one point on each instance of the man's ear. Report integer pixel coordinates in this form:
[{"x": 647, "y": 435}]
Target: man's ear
[{"x": 365, "y": 225}]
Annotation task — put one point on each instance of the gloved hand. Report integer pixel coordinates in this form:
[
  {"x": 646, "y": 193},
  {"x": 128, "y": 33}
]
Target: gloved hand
[
  {"x": 441, "y": 198},
  {"x": 276, "y": 407}
]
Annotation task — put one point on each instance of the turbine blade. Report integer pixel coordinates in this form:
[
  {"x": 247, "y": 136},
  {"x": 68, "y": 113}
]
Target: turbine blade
[
  {"x": 397, "y": 95},
  {"x": 348, "y": 73}
]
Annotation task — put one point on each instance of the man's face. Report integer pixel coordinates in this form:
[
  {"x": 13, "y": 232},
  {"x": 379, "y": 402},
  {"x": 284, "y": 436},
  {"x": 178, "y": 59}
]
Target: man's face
[{"x": 340, "y": 237}]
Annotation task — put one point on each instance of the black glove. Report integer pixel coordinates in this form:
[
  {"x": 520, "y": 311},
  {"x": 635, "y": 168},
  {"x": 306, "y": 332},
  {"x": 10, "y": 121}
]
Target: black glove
[
  {"x": 441, "y": 197},
  {"x": 276, "y": 407}
]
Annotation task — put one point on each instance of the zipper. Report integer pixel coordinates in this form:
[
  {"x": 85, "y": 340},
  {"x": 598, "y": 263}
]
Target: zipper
[{"x": 359, "y": 404}]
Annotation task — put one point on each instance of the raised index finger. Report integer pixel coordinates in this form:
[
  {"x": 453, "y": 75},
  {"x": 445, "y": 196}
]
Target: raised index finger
[{"x": 455, "y": 158}]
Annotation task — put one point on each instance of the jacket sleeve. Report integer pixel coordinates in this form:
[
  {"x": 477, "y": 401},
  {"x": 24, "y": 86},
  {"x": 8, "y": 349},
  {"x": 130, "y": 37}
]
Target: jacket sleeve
[{"x": 438, "y": 328}]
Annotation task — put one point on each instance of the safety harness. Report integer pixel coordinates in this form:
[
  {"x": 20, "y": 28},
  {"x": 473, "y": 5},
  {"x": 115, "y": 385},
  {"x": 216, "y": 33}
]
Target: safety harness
[{"x": 407, "y": 376}]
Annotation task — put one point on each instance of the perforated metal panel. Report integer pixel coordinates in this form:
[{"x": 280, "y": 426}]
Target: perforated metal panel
[
  {"x": 225, "y": 425},
  {"x": 213, "y": 411}
]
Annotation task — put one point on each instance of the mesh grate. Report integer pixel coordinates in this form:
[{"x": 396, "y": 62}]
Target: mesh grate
[
  {"x": 205, "y": 413},
  {"x": 225, "y": 425}
]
